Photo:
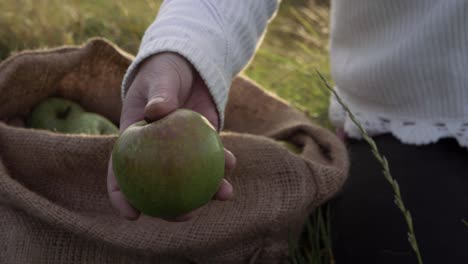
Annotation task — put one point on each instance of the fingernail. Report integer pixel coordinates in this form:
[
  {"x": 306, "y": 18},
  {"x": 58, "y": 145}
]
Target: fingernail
[
  {"x": 156, "y": 100},
  {"x": 228, "y": 192},
  {"x": 231, "y": 190}
]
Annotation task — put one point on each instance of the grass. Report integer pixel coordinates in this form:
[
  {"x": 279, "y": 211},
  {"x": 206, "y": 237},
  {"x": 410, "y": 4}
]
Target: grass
[
  {"x": 314, "y": 246},
  {"x": 386, "y": 173},
  {"x": 294, "y": 46}
]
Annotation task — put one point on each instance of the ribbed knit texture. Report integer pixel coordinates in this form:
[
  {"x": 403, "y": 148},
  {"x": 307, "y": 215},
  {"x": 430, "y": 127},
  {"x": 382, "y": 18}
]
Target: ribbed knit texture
[
  {"x": 400, "y": 65},
  {"x": 217, "y": 36}
]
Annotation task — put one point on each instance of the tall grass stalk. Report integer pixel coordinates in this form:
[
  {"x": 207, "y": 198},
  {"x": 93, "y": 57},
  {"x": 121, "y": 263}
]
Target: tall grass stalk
[
  {"x": 315, "y": 244},
  {"x": 386, "y": 171}
]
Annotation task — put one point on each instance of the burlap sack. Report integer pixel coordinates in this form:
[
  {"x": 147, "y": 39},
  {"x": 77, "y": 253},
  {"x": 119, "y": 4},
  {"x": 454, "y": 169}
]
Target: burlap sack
[{"x": 53, "y": 200}]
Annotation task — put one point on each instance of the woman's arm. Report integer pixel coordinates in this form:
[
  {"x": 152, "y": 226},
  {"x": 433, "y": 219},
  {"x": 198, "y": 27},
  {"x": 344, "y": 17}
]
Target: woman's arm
[{"x": 218, "y": 37}]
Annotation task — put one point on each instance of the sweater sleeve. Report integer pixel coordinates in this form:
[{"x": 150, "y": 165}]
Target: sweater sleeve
[{"x": 218, "y": 37}]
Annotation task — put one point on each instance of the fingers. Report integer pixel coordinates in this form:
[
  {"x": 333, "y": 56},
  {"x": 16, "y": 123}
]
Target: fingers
[
  {"x": 117, "y": 198},
  {"x": 226, "y": 191},
  {"x": 162, "y": 82},
  {"x": 201, "y": 101},
  {"x": 229, "y": 160},
  {"x": 161, "y": 85},
  {"x": 118, "y": 201},
  {"x": 160, "y": 106},
  {"x": 132, "y": 109},
  {"x": 169, "y": 78}
]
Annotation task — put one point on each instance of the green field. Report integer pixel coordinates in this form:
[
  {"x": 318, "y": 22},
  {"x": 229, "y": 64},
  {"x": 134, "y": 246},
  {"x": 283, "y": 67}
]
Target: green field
[{"x": 295, "y": 45}]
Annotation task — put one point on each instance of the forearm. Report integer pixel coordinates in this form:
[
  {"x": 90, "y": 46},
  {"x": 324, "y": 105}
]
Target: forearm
[{"x": 217, "y": 36}]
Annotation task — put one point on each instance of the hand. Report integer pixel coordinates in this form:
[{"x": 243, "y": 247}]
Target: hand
[{"x": 162, "y": 84}]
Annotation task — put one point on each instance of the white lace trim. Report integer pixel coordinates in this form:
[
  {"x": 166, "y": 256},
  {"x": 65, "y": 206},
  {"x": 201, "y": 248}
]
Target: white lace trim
[{"x": 416, "y": 132}]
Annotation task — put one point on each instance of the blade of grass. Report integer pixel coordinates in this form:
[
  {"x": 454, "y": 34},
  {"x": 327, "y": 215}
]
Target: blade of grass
[
  {"x": 303, "y": 21},
  {"x": 386, "y": 171},
  {"x": 330, "y": 246},
  {"x": 292, "y": 249}
]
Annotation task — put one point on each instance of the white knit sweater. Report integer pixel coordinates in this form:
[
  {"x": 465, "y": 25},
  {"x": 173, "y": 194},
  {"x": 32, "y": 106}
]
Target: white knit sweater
[{"x": 401, "y": 66}]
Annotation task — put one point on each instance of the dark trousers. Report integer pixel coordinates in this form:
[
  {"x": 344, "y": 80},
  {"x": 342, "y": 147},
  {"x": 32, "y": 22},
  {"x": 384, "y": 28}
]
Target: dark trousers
[{"x": 367, "y": 226}]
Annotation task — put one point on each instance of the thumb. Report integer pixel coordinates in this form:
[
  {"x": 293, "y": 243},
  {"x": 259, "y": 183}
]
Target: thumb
[{"x": 169, "y": 78}]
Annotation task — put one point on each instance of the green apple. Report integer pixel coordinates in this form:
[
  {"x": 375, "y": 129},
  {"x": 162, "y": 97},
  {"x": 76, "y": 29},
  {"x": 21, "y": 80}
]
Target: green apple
[
  {"x": 91, "y": 123},
  {"x": 293, "y": 148},
  {"x": 169, "y": 167},
  {"x": 61, "y": 115}
]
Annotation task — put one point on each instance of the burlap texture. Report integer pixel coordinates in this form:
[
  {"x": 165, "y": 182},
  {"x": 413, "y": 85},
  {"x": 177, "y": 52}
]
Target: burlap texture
[{"x": 53, "y": 200}]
